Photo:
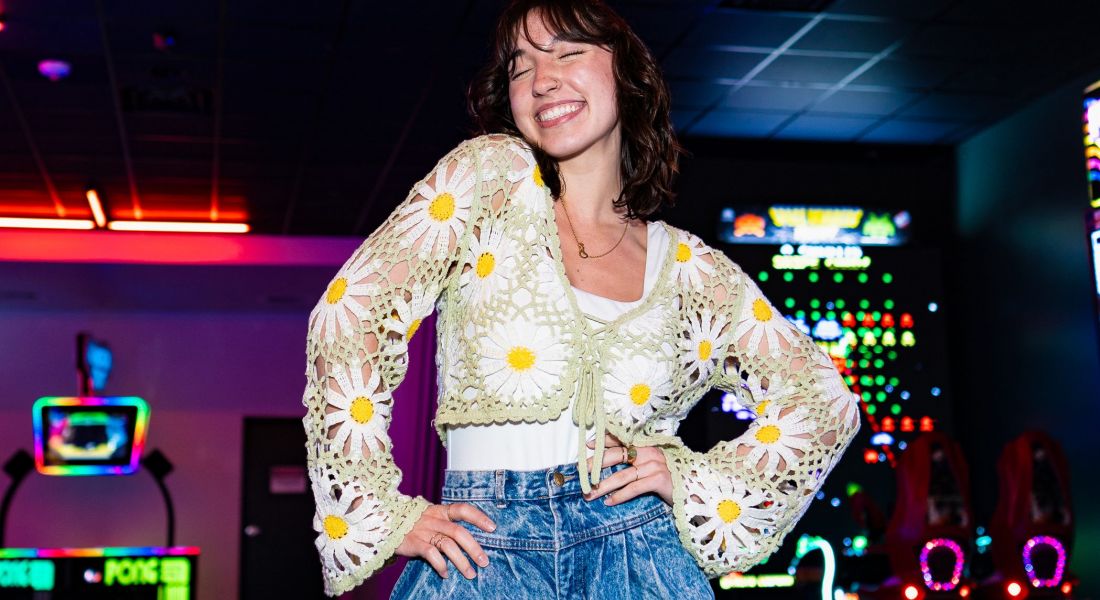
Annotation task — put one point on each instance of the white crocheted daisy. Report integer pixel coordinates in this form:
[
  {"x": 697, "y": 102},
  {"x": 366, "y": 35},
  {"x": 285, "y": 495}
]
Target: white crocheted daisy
[
  {"x": 731, "y": 510},
  {"x": 441, "y": 213},
  {"x": 331, "y": 314},
  {"x": 362, "y": 414},
  {"x": 759, "y": 319},
  {"x": 531, "y": 191},
  {"x": 348, "y": 537},
  {"x": 776, "y": 438},
  {"x": 407, "y": 317},
  {"x": 761, "y": 397},
  {"x": 521, "y": 361},
  {"x": 491, "y": 260},
  {"x": 705, "y": 343},
  {"x": 636, "y": 387},
  {"x": 688, "y": 266}
]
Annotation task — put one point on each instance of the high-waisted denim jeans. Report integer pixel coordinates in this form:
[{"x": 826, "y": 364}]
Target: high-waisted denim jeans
[{"x": 550, "y": 543}]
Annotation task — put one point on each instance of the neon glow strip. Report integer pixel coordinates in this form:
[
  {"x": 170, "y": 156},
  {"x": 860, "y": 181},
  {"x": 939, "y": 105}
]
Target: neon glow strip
[
  {"x": 807, "y": 544},
  {"x": 97, "y": 552},
  {"x": 956, "y": 570},
  {"x": 97, "y": 207},
  {"x": 179, "y": 226},
  {"x": 46, "y": 223},
  {"x": 1029, "y": 566},
  {"x": 141, "y": 422}
]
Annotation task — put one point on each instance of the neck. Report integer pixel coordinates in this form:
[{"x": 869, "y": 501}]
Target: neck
[{"x": 592, "y": 181}]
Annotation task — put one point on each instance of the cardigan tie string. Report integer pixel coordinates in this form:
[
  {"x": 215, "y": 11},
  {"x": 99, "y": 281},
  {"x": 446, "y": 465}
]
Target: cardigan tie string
[{"x": 589, "y": 412}]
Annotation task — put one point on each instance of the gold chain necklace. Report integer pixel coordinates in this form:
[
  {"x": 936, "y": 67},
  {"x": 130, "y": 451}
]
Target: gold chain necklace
[{"x": 580, "y": 245}]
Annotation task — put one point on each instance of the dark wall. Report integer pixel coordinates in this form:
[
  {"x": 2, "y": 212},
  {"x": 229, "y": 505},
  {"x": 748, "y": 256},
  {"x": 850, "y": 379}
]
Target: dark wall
[{"x": 1026, "y": 325}]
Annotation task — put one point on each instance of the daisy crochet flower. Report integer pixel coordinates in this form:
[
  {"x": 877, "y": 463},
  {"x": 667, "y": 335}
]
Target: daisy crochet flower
[
  {"x": 774, "y": 438},
  {"x": 348, "y": 536},
  {"x": 362, "y": 413},
  {"x": 730, "y": 510},
  {"x": 521, "y": 361},
  {"x": 443, "y": 211}
]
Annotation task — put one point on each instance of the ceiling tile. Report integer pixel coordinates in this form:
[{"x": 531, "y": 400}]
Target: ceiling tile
[
  {"x": 772, "y": 98},
  {"x": 815, "y": 127},
  {"x": 959, "y": 42},
  {"x": 746, "y": 28},
  {"x": 900, "y": 9},
  {"x": 704, "y": 63},
  {"x": 696, "y": 94},
  {"x": 865, "y": 103},
  {"x": 956, "y": 106},
  {"x": 912, "y": 131},
  {"x": 906, "y": 73},
  {"x": 659, "y": 24},
  {"x": 737, "y": 123},
  {"x": 809, "y": 69},
  {"x": 852, "y": 36}
]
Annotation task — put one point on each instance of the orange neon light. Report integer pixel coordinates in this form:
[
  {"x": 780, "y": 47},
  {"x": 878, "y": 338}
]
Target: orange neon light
[
  {"x": 179, "y": 226},
  {"x": 23, "y": 223},
  {"x": 97, "y": 208}
]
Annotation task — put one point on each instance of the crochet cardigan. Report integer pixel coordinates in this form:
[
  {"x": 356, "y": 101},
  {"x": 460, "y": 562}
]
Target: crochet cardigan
[{"x": 476, "y": 240}]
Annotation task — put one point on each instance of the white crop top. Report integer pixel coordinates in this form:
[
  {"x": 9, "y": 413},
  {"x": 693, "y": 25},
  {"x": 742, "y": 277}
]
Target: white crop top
[{"x": 531, "y": 446}]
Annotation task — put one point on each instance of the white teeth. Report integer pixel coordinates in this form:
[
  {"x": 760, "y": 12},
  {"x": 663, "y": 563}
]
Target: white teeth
[{"x": 557, "y": 111}]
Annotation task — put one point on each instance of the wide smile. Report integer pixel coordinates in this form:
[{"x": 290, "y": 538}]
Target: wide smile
[{"x": 558, "y": 114}]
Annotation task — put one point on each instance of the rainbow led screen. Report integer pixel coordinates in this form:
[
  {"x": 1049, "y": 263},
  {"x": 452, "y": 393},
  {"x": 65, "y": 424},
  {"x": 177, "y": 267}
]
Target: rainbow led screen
[
  {"x": 89, "y": 435},
  {"x": 1091, "y": 125}
]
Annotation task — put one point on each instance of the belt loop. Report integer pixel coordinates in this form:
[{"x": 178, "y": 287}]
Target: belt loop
[{"x": 498, "y": 489}]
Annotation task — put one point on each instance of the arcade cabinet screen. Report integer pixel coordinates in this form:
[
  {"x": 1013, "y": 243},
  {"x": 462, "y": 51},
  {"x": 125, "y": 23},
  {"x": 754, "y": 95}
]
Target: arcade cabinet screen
[{"x": 89, "y": 436}]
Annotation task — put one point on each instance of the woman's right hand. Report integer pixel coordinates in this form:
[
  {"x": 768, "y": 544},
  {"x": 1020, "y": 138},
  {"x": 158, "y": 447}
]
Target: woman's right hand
[{"x": 439, "y": 519}]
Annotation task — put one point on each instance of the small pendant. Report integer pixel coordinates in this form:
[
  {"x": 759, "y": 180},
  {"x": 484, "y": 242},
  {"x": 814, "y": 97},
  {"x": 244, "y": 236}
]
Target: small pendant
[{"x": 580, "y": 248}]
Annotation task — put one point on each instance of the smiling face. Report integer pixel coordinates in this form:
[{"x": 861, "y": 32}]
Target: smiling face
[{"x": 562, "y": 94}]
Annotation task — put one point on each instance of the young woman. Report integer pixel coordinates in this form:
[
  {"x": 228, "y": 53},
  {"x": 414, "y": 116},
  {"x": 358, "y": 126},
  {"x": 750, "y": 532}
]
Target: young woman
[{"x": 574, "y": 334}]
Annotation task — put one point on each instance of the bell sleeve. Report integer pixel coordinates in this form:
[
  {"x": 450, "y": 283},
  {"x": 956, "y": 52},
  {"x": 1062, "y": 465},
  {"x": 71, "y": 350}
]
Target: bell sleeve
[
  {"x": 357, "y": 354},
  {"x": 734, "y": 504}
]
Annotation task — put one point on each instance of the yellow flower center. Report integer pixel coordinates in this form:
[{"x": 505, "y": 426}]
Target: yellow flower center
[
  {"x": 362, "y": 409},
  {"x": 768, "y": 434},
  {"x": 442, "y": 208},
  {"x": 521, "y": 358},
  {"x": 762, "y": 407},
  {"x": 683, "y": 253},
  {"x": 639, "y": 394},
  {"x": 412, "y": 329},
  {"x": 485, "y": 264},
  {"x": 336, "y": 290},
  {"x": 728, "y": 510},
  {"x": 335, "y": 527},
  {"x": 537, "y": 176},
  {"x": 761, "y": 310},
  {"x": 705, "y": 348}
]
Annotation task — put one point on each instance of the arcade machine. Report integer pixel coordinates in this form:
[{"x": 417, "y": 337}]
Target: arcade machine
[
  {"x": 1032, "y": 528},
  {"x": 854, "y": 280},
  {"x": 90, "y": 435},
  {"x": 1091, "y": 125}
]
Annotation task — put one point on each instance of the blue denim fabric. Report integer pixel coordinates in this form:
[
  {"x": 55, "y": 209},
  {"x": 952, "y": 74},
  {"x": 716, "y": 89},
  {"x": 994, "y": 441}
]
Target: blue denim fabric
[{"x": 551, "y": 543}]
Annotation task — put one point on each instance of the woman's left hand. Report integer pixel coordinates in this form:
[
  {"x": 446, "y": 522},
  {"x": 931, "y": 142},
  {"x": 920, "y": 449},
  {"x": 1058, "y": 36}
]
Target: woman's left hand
[{"x": 648, "y": 474}]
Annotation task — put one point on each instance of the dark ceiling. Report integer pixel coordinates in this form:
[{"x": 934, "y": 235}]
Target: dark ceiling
[{"x": 316, "y": 117}]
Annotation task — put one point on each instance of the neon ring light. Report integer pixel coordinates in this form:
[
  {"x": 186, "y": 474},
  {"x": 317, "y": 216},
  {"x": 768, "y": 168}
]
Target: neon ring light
[
  {"x": 956, "y": 570},
  {"x": 1029, "y": 566}
]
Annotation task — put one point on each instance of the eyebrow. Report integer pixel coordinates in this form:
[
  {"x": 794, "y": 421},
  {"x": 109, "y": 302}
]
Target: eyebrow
[{"x": 549, "y": 46}]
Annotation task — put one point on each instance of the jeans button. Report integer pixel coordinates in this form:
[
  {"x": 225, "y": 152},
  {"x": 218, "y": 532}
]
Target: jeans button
[{"x": 559, "y": 479}]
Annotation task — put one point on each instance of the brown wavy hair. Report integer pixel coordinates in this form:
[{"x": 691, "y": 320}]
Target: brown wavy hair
[{"x": 650, "y": 152}]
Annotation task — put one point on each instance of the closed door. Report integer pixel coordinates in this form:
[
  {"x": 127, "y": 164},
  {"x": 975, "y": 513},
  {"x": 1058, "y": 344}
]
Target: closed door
[{"x": 278, "y": 558}]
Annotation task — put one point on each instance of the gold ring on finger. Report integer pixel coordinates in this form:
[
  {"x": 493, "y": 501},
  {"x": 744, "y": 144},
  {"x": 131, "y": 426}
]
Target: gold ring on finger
[
  {"x": 631, "y": 454},
  {"x": 637, "y": 474}
]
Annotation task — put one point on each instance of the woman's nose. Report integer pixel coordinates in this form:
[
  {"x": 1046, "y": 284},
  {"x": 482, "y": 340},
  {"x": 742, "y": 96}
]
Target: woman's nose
[{"x": 545, "y": 81}]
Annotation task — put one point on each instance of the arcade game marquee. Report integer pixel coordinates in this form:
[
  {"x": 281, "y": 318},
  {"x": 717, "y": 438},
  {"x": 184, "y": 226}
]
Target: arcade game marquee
[{"x": 89, "y": 435}]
